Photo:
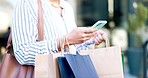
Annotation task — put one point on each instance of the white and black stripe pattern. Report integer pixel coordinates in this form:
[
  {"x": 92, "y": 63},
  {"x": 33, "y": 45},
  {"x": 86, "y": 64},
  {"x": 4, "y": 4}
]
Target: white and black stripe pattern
[{"x": 25, "y": 33}]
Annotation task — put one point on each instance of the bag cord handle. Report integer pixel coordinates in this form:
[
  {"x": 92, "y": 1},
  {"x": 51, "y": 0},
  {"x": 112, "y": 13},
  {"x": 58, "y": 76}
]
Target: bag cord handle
[{"x": 40, "y": 26}]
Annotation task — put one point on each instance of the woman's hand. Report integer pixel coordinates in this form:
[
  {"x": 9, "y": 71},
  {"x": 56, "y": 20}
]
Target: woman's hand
[
  {"x": 99, "y": 37},
  {"x": 80, "y": 35}
]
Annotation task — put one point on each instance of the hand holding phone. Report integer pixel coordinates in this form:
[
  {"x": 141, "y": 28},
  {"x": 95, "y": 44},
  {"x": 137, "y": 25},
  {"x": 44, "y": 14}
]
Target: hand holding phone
[{"x": 99, "y": 24}]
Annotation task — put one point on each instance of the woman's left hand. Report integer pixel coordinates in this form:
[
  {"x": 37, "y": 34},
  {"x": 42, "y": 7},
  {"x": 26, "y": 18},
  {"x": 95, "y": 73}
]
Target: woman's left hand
[{"x": 99, "y": 37}]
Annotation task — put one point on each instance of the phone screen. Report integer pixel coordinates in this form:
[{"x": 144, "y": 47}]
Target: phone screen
[{"x": 99, "y": 24}]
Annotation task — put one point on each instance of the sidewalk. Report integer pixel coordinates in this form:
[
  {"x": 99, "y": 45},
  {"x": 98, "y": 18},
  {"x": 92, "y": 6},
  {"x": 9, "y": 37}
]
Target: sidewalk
[
  {"x": 126, "y": 70},
  {"x": 127, "y": 74}
]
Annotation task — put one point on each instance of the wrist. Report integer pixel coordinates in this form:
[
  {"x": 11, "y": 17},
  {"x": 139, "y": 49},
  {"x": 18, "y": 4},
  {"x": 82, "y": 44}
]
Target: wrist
[
  {"x": 58, "y": 44},
  {"x": 68, "y": 39},
  {"x": 64, "y": 43}
]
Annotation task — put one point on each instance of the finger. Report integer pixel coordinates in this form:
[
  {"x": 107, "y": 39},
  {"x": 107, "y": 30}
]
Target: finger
[
  {"x": 104, "y": 36},
  {"x": 99, "y": 37},
  {"x": 90, "y": 34},
  {"x": 90, "y": 30},
  {"x": 101, "y": 32},
  {"x": 87, "y": 38},
  {"x": 97, "y": 42}
]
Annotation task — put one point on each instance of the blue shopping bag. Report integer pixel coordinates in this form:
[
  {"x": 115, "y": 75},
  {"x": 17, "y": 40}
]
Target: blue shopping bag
[
  {"x": 81, "y": 66},
  {"x": 64, "y": 68}
]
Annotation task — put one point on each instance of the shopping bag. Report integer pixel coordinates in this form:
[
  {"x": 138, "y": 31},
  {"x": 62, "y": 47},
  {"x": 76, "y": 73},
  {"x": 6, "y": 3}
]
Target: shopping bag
[
  {"x": 81, "y": 66},
  {"x": 10, "y": 67},
  {"x": 75, "y": 65},
  {"x": 107, "y": 61},
  {"x": 46, "y": 66},
  {"x": 64, "y": 68}
]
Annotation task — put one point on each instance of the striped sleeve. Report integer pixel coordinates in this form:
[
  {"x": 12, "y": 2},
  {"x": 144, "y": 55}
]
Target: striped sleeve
[{"x": 24, "y": 35}]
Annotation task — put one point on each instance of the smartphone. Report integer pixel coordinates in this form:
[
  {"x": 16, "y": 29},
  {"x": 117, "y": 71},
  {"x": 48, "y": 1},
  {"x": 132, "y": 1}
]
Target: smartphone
[{"x": 99, "y": 24}]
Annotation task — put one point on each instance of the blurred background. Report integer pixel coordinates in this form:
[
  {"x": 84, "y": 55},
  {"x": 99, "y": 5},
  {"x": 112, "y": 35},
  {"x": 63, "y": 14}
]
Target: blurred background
[{"x": 127, "y": 27}]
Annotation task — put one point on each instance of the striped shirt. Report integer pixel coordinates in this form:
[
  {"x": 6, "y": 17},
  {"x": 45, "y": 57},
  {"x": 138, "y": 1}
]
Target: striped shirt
[{"x": 25, "y": 33}]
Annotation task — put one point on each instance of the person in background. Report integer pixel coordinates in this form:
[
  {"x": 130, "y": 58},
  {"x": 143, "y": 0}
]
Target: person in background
[
  {"x": 59, "y": 21},
  {"x": 4, "y": 39},
  {"x": 6, "y": 35}
]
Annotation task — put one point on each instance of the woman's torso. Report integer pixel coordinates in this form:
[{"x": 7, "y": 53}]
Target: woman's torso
[{"x": 55, "y": 25}]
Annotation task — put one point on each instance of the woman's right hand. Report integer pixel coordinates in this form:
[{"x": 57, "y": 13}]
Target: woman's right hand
[{"x": 80, "y": 35}]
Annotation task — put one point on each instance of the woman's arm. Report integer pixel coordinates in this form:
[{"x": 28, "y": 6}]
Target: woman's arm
[{"x": 25, "y": 34}]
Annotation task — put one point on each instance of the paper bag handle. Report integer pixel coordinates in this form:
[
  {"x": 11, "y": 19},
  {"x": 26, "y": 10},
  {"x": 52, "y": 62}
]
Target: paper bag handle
[
  {"x": 62, "y": 41},
  {"x": 107, "y": 42}
]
